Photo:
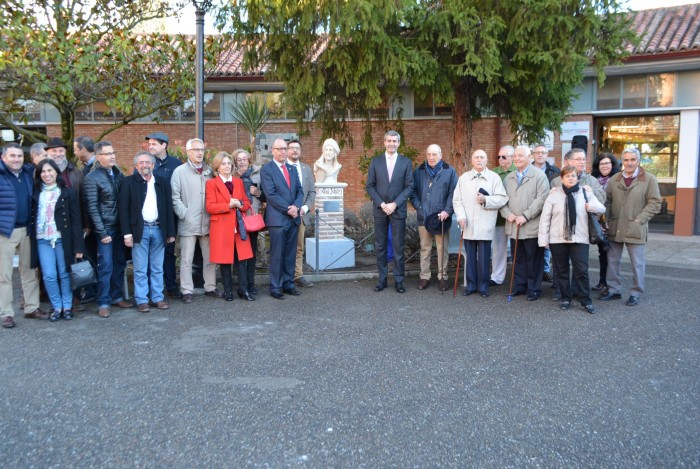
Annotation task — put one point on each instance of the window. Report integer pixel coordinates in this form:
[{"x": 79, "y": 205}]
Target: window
[
  {"x": 637, "y": 92},
  {"x": 661, "y": 89},
  {"x": 609, "y": 94},
  {"x": 428, "y": 107},
  {"x": 634, "y": 92}
]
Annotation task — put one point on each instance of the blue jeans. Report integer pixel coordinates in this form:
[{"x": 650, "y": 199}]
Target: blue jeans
[
  {"x": 55, "y": 273},
  {"x": 111, "y": 262},
  {"x": 149, "y": 252}
]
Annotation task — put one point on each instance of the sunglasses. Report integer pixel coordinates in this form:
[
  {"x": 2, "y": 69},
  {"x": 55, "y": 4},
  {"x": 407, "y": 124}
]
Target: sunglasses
[{"x": 502, "y": 157}]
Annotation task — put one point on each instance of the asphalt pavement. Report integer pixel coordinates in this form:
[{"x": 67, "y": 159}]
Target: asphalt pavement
[{"x": 345, "y": 377}]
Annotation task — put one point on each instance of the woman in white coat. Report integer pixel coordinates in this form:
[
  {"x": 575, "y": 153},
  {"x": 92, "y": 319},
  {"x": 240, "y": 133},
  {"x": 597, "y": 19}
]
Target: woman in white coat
[
  {"x": 476, "y": 200},
  {"x": 564, "y": 229}
]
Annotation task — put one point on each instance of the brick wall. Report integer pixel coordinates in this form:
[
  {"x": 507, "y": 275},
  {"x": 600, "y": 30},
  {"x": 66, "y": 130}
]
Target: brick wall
[{"x": 489, "y": 134}]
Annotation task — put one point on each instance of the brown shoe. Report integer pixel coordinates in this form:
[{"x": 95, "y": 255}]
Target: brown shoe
[
  {"x": 423, "y": 284},
  {"x": 444, "y": 286},
  {"x": 187, "y": 298},
  {"x": 77, "y": 306},
  {"x": 8, "y": 322},
  {"x": 124, "y": 304},
  {"x": 162, "y": 305},
  {"x": 143, "y": 308},
  {"x": 103, "y": 312},
  {"x": 302, "y": 282},
  {"x": 37, "y": 314},
  {"x": 215, "y": 293}
]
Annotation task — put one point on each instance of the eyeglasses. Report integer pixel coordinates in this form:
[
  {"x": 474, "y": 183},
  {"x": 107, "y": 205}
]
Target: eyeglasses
[
  {"x": 293, "y": 148},
  {"x": 197, "y": 149},
  {"x": 280, "y": 148},
  {"x": 111, "y": 153},
  {"x": 502, "y": 157},
  {"x": 539, "y": 152},
  {"x": 605, "y": 163}
]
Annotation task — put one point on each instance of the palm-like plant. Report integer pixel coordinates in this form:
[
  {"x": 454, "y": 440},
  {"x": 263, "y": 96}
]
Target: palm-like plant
[{"x": 252, "y": 113}]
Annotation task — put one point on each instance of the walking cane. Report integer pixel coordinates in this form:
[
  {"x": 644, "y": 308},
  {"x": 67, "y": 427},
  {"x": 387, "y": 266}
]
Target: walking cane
[
  {"x": 459, "y": 255},
  {"x": 442, "y": 225},
  {"x": 512, "y": 270}
]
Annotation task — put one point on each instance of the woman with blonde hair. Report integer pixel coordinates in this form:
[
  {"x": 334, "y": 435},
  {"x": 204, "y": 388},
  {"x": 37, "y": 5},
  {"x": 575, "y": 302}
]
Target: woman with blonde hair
[{"x": 225, "y": 197}]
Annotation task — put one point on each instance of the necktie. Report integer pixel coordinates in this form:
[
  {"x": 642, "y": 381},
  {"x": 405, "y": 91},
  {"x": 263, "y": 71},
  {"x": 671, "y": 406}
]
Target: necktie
[
  {"x": 286, "y": 175},
  {"x": 390, "y": 167},
  {"x": 520, "y": 176},
  {"x": 478, "y": 175}
]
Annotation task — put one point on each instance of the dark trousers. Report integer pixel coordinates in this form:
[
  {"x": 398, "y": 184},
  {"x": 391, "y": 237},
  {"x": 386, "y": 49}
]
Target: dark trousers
[
  {"x": 529, "y": 266},
  {"x": 91, "y": 248},
  {"x": 381, "y": 235},
  {"x": 169, "y": 272},
  {"x": 241, "y": 271},
  {"x": 603, "y": 260},
  {"x": 283, "y": 253},
  {"x": 251, "y": 263},
  {"x": 578, "y": 255},
  {"x": 478, "y": 265}
]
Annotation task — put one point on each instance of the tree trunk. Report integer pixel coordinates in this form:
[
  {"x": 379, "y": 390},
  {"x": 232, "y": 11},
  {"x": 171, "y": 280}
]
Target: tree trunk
[
  {"x": 461, "y": 127},
  {"x": 68, "y": 132}
]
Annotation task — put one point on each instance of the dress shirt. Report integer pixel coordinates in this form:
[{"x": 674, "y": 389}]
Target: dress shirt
[{"x": 150, "y": 205}]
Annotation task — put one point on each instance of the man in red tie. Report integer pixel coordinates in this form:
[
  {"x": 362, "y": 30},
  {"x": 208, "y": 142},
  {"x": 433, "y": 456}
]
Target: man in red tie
[{"x": 284, "y": 196}]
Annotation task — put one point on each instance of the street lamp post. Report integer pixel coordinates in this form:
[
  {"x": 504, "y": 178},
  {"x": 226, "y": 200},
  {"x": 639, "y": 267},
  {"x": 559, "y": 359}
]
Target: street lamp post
[{"x": 201, "y": 6}]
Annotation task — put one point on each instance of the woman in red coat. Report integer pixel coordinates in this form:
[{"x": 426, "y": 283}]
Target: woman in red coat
[{"x": 224, "y": 196}]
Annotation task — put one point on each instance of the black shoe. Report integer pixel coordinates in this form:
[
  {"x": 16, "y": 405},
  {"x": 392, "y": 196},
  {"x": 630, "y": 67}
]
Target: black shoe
[
  {"x": 254, "y": 290},
  {"x": 291, "y": 291},
  {"x": 55, "y": 315},
  {"x": 380, "y": 286},
  {"x": 399, "y": 288},
  {"x": 547, "y": 278},
  {"x": 175, "y": 293},
  {"x": 589, "y": 308},
  {"x": 564, "y": 304},
  {"x": 67, "y": 314},
  {"x": 517, "y": 293},
  {"x": 493, "y": 283},
  {"x": 532, "y": 296},
  {"x": 88, "y": 298},
  {"x": 610, "y": 296},
  {"x": 468, "y": 292},
  {"x": 484, "y": 294},
  {"x": 600, "y": 287},
  {"x": 244, "y": 295},
  {"x": 277, "y": 295},
  {"x": 632, "y": 301},
  {"x": 228, "y": 295}
]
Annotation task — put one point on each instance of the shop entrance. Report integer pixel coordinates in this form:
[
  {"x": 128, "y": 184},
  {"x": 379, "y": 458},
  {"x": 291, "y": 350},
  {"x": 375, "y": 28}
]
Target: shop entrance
[{"x": 656, "y": 138}]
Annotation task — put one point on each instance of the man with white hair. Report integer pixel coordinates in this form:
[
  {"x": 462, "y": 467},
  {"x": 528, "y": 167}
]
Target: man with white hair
[
  {"x": 499, "y": 245},
  {"x": 632, "y": 199},
  {"x": 188, "y": 190},
  {"x": 527, "y": 188},
  {"x": 434, "y": 182}
]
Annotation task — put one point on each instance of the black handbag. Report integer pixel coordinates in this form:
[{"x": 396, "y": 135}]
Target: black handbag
[
  {"x": 82, "y": 274},
  {"x": 596, "y": 234}
]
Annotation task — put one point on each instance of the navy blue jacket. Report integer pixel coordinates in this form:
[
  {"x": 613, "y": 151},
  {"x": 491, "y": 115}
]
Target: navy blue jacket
[
  {"x": 165, "y": 167},
  {"x": 8, "y": 196},
  {"x": 429, "y": 198}
]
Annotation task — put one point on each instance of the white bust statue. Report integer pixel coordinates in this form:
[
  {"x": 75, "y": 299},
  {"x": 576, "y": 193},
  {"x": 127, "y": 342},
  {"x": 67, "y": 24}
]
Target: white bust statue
[{"x": 326, "y": 168}]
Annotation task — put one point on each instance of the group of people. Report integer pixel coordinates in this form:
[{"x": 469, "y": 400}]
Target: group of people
[
  {"x": 543, "y": 210},
  {"x": 53, "y": 214}
]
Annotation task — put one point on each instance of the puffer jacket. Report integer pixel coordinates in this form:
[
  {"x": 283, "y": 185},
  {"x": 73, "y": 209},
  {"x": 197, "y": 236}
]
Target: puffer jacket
[
  {"x": 102, "y": 198},
  {"x": 624, "y": 205},
  {"x": 8, "y": 196},
  {"x": 553, "y": 216},
  {"x": 527, "y": 200},
  {"x": 189, "y": 199}
]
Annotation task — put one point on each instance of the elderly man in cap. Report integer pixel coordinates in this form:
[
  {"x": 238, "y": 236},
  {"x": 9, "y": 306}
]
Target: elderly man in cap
[
  {"x": 434, "y": 182},
  {"x": 477, "y": 198},
  {"x": 165, "y": 165}
]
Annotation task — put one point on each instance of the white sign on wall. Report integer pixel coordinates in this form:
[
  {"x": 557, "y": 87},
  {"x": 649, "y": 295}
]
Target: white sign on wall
[{"x": 570, "y": 129}]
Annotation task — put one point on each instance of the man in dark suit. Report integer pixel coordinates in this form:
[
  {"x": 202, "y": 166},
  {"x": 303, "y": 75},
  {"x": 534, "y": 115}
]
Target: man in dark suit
[
  {"x": 280, "y": 184},
  {"x": 389, "y": 185},
  {"x": 308, "y": 187}
]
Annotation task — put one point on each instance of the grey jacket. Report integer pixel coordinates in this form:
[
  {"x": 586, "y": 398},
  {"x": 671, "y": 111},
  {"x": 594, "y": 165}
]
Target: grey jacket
[
  {"x": 189, "y": 199},
  {"x": 553, "y": 216},
  {"x": 585, "y": 180}
]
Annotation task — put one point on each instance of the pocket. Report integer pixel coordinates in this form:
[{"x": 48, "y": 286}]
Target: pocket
[{"x": 635, "y": 230}]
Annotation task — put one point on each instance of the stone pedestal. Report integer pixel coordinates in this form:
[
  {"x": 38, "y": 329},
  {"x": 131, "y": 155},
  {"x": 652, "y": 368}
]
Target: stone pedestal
[{"x": 335, "y": 250}]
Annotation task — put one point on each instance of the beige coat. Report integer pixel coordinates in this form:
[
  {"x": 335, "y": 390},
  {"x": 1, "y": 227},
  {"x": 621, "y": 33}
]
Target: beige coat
[
  {"x": 625, "y": 205},
  {"x": 527, "y": 200},
  {"x": 189, "y": 190},
  {"x": 480, "y": 219},
  {"x": 553, "y": 216}
]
